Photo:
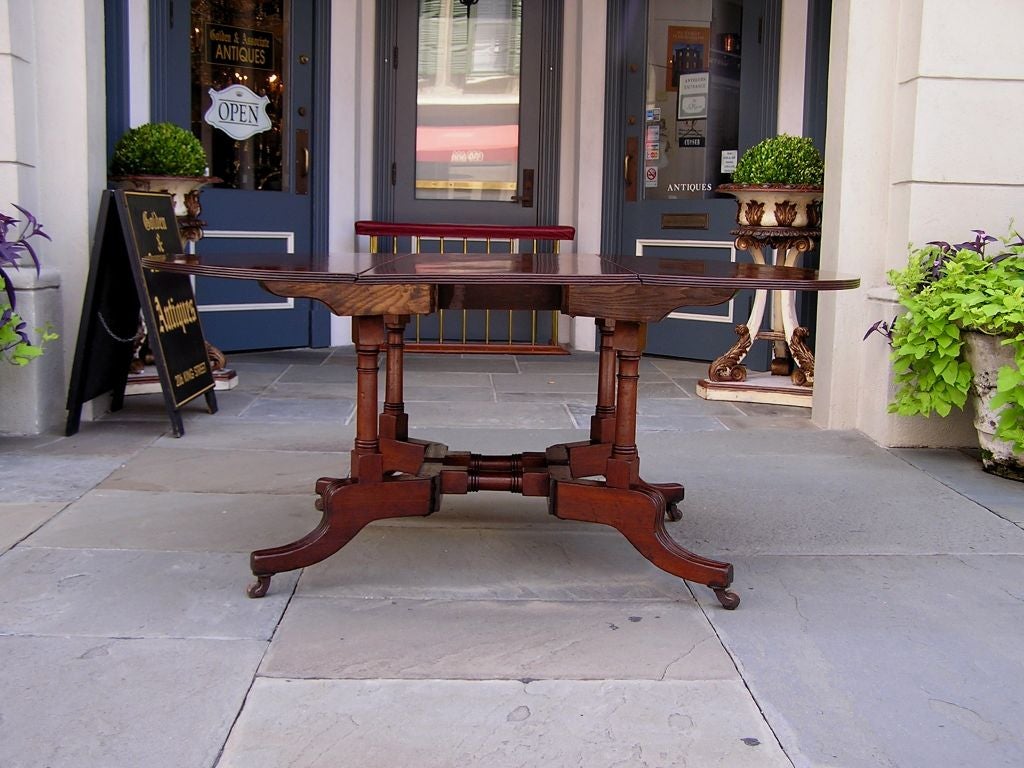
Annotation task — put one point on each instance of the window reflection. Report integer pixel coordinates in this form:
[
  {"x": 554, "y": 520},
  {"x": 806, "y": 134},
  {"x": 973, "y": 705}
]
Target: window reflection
[
  {"x": 467, "y": 100},
  {"x": 242, "y": 42},
  {"x": 692, "y": 96}
]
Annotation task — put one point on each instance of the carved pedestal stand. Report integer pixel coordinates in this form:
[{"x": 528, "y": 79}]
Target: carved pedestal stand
[{"x": 790, "y": 380}]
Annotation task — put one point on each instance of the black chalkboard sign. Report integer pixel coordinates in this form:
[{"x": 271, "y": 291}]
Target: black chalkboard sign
[{"x": 132, "y": 225}]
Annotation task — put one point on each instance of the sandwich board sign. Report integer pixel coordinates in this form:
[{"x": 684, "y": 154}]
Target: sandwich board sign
[{"x": 133, "y": 225}]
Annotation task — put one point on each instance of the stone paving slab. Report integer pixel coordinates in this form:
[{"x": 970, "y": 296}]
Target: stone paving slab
[
  {"x": 488, "y": 564},
  {"x": 482, "y": 416},
  {"x": 279, "y": 436},
  {"x": 309, "y": 409},
  {"x": 253, "y": 374},
  {"x": 731, "y": 448},
  {"x": 416, "y": 362},
  {"x": 19, "y": 520},
  {"x": 962, "y": 470},
  {"x": 903, "y": 662},
  {"x": 588, "y": 397},
  {"x": 439, "y": 724},
  {"x": 819, "y": 495},
  {"x": 443, "y": 379},
  {"x": 498, "y": 441},
  {"x": 215, "y": 471},
  {"x": 74, "y": 702},
  {"x": 94, "y": 438},
  {"x": 313, "y": 390},
  {"x": 676, "y": 368},
  {"x": 344, "y": 376},
  {"x": 577, "y": 362},
  {"x": 30, "y": 477},
  {"x": 763, "y": 422},
  {"x": 669, "y": 419},
  {"x": 496, "y": 510},
  {"x": 496, "y": 640},
  {"x": 415, "y": 392},
  {"x": 305, "y": 357},
  {"x": 127, "y": 593},
  {"x": 556, "y": 383},
  {"x": 150, "y": 408},
  {"x": 181, "y": 522},
  {"x": 772, "y": 409}
]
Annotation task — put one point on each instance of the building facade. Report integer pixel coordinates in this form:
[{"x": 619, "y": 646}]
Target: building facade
[{"x": 924, "y": 97}]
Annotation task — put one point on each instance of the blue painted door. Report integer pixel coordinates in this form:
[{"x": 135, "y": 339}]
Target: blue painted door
[
  {"x": 698, "y": 87},
  {"x": 239, "y": 73}
]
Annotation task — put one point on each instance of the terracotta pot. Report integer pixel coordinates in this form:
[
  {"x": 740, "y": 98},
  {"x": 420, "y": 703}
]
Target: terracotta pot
[
  {"x": 776, "y": 205},
  {"x": 986, "y": 356}
]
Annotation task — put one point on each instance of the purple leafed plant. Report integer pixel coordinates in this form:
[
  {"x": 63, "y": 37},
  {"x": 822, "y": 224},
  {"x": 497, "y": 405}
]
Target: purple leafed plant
[
  {"x": 942, "y": 253},
  {"x": 14, "y": 246}
]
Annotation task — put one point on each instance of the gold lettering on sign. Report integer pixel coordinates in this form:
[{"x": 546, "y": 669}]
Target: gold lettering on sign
[
  {"x": 239, "y": 54},
  {"x": 180, "y": 379},
  {"x": 151, "y": 220},
  {"x": 172, "y": 316}
]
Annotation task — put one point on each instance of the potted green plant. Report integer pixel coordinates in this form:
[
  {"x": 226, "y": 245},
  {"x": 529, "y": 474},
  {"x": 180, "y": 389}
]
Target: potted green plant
[
  {"x": 778, "y": 183},
  {"x": 163, "y": 157},
  {"x": 962, "y": 332},
  {"x": 15, "y": 345}
]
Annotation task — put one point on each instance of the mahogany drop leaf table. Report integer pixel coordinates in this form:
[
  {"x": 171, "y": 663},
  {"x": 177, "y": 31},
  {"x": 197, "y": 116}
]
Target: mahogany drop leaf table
[{"x": 596, "y": 480}]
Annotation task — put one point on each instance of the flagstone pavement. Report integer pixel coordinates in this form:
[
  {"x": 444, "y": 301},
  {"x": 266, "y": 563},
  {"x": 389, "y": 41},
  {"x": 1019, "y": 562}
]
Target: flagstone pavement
[{"x": 882, "y": 591}]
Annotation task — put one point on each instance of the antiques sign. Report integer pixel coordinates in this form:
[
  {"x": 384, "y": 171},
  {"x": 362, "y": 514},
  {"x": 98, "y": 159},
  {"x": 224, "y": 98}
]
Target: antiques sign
[
  {"x": 174, "y": 323},
  {"x": 238, "y": 111},
  {"x": 236, "y": 47},
  {"x": 132, "y": 225}
]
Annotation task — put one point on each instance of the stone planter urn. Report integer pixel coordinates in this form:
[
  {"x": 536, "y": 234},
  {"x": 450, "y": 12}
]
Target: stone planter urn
[
  {"x": 986, "y": 355},
  {"x": 776, "y": 205},
  {"x": 184, "y": 190}
]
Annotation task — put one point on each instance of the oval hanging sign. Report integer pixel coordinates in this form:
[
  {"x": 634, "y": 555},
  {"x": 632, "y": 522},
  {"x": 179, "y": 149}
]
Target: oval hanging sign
[{"x": 238, "y": 112}]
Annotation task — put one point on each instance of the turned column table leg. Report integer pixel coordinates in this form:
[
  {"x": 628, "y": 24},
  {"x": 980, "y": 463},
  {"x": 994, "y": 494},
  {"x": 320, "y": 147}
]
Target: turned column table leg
[
  {"x": 602, "y": 423},
  {"x": 625, "y": 502},
  {"x": 394, "y": 421},
  {"x": 349, "y": 504}
]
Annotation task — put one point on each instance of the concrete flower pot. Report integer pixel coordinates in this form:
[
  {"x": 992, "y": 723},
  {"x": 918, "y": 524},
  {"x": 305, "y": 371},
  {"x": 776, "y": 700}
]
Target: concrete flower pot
[{"x": 986, "y": 356}]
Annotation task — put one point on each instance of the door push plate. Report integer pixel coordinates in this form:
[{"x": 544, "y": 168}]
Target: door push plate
[{"x": 685, "y": 220}]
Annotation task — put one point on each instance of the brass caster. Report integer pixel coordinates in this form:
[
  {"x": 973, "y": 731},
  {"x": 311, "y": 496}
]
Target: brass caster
[
  {"x": 259, "y": 588},
  {"x": 673, "y": 512},
  {"x": 728, "y": 599}
]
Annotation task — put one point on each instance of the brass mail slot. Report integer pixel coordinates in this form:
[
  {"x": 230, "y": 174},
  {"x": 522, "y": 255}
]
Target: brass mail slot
[{"x": 684, "y": 221}]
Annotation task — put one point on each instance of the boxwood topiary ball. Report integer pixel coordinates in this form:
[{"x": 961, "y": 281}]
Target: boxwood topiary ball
[
  {"x": 158, "y": 149},
  {"x": 781, "y": 159}
]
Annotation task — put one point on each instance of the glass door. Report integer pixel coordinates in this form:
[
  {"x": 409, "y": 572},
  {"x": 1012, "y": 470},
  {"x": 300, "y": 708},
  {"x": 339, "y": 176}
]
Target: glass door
[
  {"x": 698, "y": 87},
  {"x": 239, "y": 73},
  {"x": 466, "y": 129}
]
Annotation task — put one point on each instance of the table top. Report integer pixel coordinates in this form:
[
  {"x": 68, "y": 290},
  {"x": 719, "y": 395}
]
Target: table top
[{"x": 504, "y": 269}]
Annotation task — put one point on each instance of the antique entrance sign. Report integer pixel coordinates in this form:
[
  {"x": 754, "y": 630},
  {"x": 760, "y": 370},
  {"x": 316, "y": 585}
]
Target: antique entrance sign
[
  {"x": 238, "y": 111},
  {"x": 132, "y": 226}
]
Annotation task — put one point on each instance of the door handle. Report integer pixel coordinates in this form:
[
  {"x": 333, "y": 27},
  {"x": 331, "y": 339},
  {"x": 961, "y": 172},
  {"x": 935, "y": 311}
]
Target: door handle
[
  {"x": 629, "y": 168},
  {"x": 526, "y": 198},
  {"x": 302, "y": 162}
]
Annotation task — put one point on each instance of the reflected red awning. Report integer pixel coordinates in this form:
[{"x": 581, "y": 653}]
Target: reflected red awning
[{"x": 467, "y": 144}]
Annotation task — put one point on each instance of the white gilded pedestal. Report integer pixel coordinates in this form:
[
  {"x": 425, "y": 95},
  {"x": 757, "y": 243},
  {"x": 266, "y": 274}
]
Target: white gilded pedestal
[{"x": 790, "y": 380}]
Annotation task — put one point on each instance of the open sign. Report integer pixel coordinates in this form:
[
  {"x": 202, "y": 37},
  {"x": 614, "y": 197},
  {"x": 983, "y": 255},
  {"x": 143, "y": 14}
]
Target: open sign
[{"x": 238, "y": 111}]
